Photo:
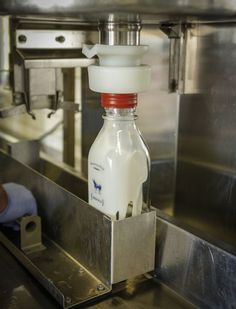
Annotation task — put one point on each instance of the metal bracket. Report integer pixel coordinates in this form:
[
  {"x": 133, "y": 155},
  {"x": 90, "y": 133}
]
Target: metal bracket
[
  {"x": 30, "y": 234},
  {"x": 173, "y": 31},
  {"x": 39, "y": 57},
  {"x": 49, "y": 39},
  {"x": 177, "y": 52},
  {"x": 56, "y": 102}
]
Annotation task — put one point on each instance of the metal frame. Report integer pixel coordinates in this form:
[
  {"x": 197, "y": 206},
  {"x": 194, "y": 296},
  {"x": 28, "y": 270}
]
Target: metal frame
[{"x": 77, "y": 235}]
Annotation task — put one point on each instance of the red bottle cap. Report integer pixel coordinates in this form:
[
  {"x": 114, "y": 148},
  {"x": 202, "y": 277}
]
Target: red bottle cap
[{"x": 125, "y": 100}]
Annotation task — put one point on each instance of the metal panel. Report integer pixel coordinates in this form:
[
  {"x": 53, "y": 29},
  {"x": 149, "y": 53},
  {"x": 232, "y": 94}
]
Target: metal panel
[
  {"x": 5, "y": 51},
  {"x": 62, "y": 211},
  {"x": 207, "y": 145},
  {"x": 133, "y": 250},
  {"x": 57, "y": 63},
  {"x": 42, "y": 82},
  {"x": 49, "y": 39},
  {"x": 195, "y": 268},
  {"x": 19, "y": 290},
  {"x": 81, "y": 8},
  {"x": 208, "y": 204},
  {"x": 64, "y": 278},
  {"x": 25, "y": 151},
  {"x": 90, "y": 237}
]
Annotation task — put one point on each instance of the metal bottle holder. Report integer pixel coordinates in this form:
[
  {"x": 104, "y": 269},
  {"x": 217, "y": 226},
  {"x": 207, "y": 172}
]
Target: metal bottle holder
[{"x": 83, "y": 252}]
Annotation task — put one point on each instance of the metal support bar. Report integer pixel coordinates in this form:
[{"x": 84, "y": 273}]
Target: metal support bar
[
  {"x": 49, "y": 39},
  {"x": 5, "y": 51},
  {"x": 69, "y": 119},
  {"x": 176, "y": 34},
  {"x": 57, "y": 63}
]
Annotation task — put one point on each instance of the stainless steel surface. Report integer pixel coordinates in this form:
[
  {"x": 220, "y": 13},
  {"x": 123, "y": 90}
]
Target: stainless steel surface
[
  {"x": 197, "y": 269},
  {"x": 30, "y": 234},
  {"x": 87, "y": 235},
  {"x": 37, "y": 88},
  {"x": 64, "y": 278},
  {"x": 5, "y": 51},
  {"x": 175, "y": 63},
  {"x": 65, "y": 177},
  {"x": 79, "y": 229},
  {"x": 177, "y": 54},
  {"x": 58, "y": 63},
  {"x": 101, "y": 9},
  {"x": 49, "y": 39},
  {"x": 44, "y": 82},
  {"x": 19, "y": 289},
  {"x": 205, "y": 192},
  {"x": 119, "y": 33},
  {"x": 24, "y": 151},
  {"x": 133, "y": 249}
]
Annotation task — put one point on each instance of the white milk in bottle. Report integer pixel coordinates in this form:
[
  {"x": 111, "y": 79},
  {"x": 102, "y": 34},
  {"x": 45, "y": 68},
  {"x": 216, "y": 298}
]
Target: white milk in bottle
[{"x": 118, "y": 162}]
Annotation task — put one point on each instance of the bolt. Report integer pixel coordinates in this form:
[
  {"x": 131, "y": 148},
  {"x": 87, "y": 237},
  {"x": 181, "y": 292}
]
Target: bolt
[
  {"x": 155, "y": 275},
  {"x": 68, "y": 300},
  {"x": 100, "y": 287},
  {"x": 81, "y": 270},
  {"x": 60, "y": 39},
  {"x": 22, "y": 38}
]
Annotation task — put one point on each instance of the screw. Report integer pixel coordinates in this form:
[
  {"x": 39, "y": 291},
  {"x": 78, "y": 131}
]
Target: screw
[
  {"x": 22, "y": 38},
  {"x": 60, "y": 39},
  {"x": 100, "y": 287},
  {"x": 155, "y": 275},
  {"x": 81, "y": 270},
  {"x": 68, "y": 300}
]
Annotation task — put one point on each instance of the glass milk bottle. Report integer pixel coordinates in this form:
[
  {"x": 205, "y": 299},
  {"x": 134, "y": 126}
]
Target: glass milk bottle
[{"x": 118, "y": 162}]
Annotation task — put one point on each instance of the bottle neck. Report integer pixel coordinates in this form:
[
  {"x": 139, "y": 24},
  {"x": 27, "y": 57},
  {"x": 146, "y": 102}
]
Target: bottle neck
[{"x": 120, "y": 114}]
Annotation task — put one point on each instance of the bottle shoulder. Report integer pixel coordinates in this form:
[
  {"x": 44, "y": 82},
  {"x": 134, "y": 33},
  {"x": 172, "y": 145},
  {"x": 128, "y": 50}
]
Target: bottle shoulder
[{"x": 120, "y": 141}]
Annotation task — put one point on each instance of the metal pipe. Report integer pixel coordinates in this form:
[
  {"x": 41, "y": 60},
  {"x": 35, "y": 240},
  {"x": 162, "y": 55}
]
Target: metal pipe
[
  {"x": 5, "y": 51},
  {"x": 119, "y": 33}
]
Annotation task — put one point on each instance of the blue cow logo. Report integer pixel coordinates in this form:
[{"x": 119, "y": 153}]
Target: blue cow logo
[{"x": 97, "y": 187}]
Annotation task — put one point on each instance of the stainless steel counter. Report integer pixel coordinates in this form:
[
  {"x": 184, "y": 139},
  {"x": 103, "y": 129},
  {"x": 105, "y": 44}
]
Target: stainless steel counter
[
  {"x": 165, "y": 10},
  {"x": 18, "y": 289}
]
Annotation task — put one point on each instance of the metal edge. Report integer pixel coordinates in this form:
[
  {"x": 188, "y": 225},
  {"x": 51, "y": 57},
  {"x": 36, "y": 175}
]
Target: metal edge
[
  {"x": 21, "y": 257},
  {"x": 141, "y": 241}
]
